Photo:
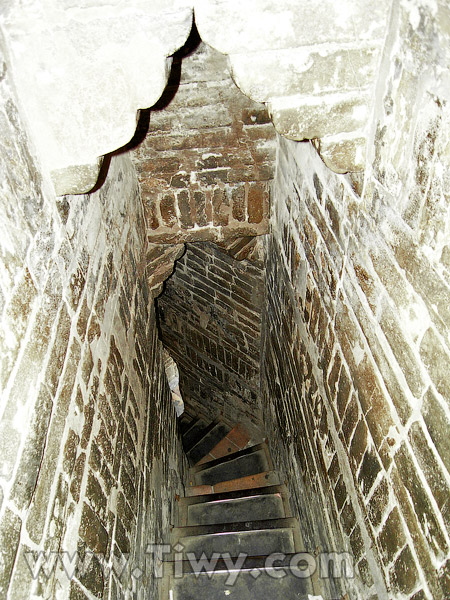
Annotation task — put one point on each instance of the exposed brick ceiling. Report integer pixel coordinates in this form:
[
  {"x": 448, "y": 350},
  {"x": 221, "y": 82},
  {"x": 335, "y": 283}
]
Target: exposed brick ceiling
[
  {"x": 206, "y": 154},
  {"x": 210, "y": 321}
]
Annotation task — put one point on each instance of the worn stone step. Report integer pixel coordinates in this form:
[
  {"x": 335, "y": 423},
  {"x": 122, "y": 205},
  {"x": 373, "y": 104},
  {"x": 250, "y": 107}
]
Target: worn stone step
[
  {"x": 260, "y": 537},
  {"x": 185, "y": 503},
  {"x": 270, "y": 506},
  {"x": 243, "y": 463},
  {"x": 194, "y": 432},
  {"x": 219, "y": 528},
  {"x": 191, "y": 422},
  {"x": 267, "y": 478},
  {"x": 257, "y": 578},
  {"x": 236, "y": 439},
  {"x": 262, "y": 542},
  {"x": 206, "y": 443}
]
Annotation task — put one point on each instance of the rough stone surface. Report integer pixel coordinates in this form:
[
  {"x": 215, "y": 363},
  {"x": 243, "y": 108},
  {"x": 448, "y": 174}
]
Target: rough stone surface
[
  {"x": 313, "y": 63},
  {"x": 75, "y": 119},
  {"x": 349, "y": 345},
  {"x": 285, "y": 54}
]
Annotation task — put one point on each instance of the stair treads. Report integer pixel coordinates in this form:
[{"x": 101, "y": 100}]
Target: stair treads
[
  {"x": 239, "y": 509},
  {"x": 235, "y": 510},
  {"x": 247, "y": 493},
  {"x": 207, "y": 442},
  {"x": 260, "y": 542},
  {"x": 249, "y": 585},
  {"x": 235, "y": 440},
  {"x": 229, "y": 457},
  {"x": 194, "y": 432},
  {"x": 241, "y": 465},
  {"x": 180, "y": 532},
  {"x": 260, "y": 480}
]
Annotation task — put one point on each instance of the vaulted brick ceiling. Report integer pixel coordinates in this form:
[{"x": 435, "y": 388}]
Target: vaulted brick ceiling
[{"x": 210, "y": 321}]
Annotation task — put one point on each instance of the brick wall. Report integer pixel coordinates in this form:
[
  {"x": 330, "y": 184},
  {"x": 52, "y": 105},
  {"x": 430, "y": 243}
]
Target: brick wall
[
  {"x": 355, "y": 332},
  {"x": 208, "y": 154},
  {"x": 89, "y": 453},
  {"x": 210, "y": 317},
  {"x": 355, "y": 337}
]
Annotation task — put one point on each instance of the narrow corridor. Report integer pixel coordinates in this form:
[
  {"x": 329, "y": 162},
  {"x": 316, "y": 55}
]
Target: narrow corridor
[{"x": 259, "y": 190}]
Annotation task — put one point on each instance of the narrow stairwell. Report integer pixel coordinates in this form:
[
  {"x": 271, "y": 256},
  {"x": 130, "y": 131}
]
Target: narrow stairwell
[{"x": 237, "y": 537}]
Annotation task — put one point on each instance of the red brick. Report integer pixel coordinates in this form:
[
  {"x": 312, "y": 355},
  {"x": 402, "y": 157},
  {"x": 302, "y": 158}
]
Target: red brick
[
  {"x": 198, "y": 490},
  {"x": 238, "y": 208},
  {"x": 239, "y": 436},
  {"x": 220, "y": 205},
  {"x": 246, "y": 483},
  {"x": 185, "y": 209},
  {"x": 255, "y": 202},
  {"x": 167, "y": 207}
]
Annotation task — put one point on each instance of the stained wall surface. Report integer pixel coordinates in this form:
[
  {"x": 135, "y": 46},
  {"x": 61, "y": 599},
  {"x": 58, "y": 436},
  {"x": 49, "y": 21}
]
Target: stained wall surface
[
  {"x": 90, "y": 458},
  {"x": 356, "y": 335}
]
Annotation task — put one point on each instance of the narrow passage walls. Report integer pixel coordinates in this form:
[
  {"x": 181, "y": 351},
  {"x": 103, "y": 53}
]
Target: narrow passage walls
[{"x": 90, "y": 459}]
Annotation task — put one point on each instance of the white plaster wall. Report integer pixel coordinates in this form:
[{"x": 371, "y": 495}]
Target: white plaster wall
[{"x": 83, "y": 69}]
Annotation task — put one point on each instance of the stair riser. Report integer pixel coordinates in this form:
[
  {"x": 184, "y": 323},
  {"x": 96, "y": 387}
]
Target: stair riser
[
  {"x": 194, "y": 433},
  {"x": 277, "y": 491},
  {"x": 235, "y": 510},
  {"x": 253, "y": 543},
  {"x": 185, "y": 424},
  {"x": 266, "y": 479},
  {"x": 236, "y": 440},
  {"x": 245, "y": 587},
  {"x": 242, "y": 466}
]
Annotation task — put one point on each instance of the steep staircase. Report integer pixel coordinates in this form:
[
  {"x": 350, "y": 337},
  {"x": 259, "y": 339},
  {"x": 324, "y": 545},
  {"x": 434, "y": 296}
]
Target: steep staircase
[{"x": 236, "y": 537}]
